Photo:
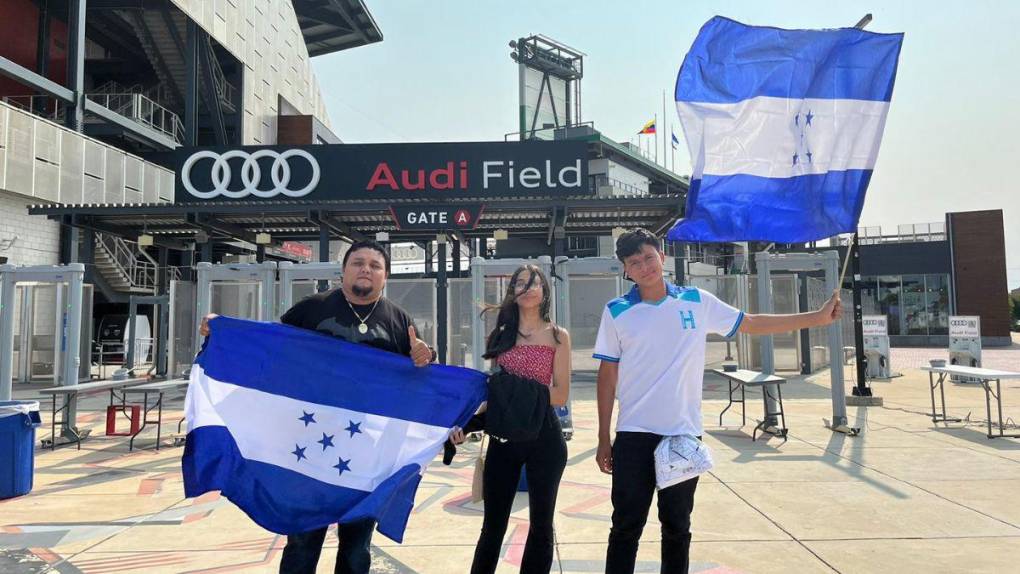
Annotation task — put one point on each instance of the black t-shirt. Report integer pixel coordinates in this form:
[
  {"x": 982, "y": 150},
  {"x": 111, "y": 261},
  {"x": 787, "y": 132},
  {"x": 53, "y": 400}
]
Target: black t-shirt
[{"x": 330, "y": 313}]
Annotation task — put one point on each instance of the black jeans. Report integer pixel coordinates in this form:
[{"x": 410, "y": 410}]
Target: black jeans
[
  {"x": 301, "y": 554},
  {"x": 633, "y": 486},
  {"x": 544, "y": 459}
]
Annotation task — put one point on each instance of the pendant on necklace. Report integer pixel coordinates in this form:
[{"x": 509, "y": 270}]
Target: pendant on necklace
[{"x": 362, "y": 328}]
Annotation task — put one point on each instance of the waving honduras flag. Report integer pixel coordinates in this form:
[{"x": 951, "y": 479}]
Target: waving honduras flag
[
  {"x": 784, "y": 128},
  {"x": 302, "y": 430}
]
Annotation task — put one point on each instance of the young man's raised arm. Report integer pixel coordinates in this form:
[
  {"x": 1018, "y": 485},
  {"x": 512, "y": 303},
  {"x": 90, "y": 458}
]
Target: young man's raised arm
[{"x": 768, "y": 324}]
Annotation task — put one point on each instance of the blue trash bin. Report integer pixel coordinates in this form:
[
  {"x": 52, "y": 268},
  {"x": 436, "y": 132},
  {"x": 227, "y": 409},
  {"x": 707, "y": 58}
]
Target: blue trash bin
[{"x": 18, "y": 420}]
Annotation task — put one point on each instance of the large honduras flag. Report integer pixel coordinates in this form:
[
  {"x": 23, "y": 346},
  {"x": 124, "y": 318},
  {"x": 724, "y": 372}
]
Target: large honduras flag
[
  {"x": 301, "y": 430},
  {"x": 784, "y": 128}
]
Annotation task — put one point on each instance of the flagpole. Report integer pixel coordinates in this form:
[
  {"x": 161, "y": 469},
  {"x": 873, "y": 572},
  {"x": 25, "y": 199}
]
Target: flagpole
[
  {"x": 656, "y": 138},
  {"x": 665, "y": 126},
  {"x": 846, "y": 262},
  {"x": 861, "y": 393}
]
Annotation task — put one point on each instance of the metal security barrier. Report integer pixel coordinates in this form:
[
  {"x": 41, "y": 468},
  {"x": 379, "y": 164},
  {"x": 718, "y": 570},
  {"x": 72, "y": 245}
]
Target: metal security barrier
[
  {"x": 67, "y": 350},
  {"x": 488, "y": 283},
  {"x": 296, "y": 282},
  {"x": 827, "y": 261},
  {"x": 244, "y": 290}
]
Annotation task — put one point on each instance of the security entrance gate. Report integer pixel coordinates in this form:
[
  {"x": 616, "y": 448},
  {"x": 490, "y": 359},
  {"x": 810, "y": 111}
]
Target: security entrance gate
[
  {"x": 489, "y": 281},
  {"x": 67, "y": 301},
  {"x": 242, "y": 290},
  {"x": 827, "y": 261},
  {"x": 300, "y": 280},
  {"x": 582, "y": 289},
  {"x": 138, "y": 349}
]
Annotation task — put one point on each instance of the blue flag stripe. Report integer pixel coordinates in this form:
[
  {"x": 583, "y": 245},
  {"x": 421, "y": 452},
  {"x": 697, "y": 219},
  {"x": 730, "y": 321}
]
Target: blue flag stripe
[
  {"x": 308, "y": 366},
  {"x": 799, "y": 209},
  {"x": 731, "y": 62},
  {"x": 212, "y": 462}
]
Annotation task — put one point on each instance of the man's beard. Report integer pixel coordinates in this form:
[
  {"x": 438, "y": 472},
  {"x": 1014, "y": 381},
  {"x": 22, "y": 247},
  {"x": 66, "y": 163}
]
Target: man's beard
[{"x": 361, "y": 291}]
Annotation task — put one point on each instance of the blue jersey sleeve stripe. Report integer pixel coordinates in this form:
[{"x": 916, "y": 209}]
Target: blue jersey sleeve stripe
[
  {"x": 733, "y": 331},
  {"x": 606, "y": 358}
]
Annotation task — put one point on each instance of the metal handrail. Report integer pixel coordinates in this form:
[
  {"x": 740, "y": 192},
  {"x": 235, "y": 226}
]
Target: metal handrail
[
  {"x": 547, "y": 133},
  {"x": 224, "y": 89},
  {"x": 144, "y": 110},
  {"x": 134, "y": 105},
  {"x": 598, "y": 180},
  {"x": 139, "y": 273},
  {"x": 104, "y": 349},
  {"x": 38, "y": 105}
]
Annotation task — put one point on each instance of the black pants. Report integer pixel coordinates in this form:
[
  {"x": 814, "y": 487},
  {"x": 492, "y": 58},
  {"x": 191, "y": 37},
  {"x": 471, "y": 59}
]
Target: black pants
[
  {"x": 633, "y": 486},
  {"x": 544, "y": 459},
  {"x": 301, "y": 554}
]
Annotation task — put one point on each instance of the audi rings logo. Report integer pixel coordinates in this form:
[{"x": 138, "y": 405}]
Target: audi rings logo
[{"x": 251, "y": 174}]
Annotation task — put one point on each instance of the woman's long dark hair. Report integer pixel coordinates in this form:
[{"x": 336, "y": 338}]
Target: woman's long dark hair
[{"x": 504, "y": 336}]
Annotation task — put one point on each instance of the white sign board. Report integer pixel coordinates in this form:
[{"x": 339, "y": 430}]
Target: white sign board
[
  {"x": 964, "y": 326},
  {"x": 875, "y": 325}
]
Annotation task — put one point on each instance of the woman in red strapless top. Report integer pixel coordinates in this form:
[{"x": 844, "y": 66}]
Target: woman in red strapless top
[{"x": 526, "y": 343}]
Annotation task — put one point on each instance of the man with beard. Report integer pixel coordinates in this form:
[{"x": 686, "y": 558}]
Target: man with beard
[{"x": 356, "y": 312}]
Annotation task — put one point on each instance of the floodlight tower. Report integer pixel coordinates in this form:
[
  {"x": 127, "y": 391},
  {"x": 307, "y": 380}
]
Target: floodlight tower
[{"x": 549, "y": 85}]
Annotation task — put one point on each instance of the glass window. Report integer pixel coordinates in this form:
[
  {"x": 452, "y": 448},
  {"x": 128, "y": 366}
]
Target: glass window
[
  {"x": 937, "y": 287},
  {"x": 889, "y": 301},
  {"x": 914, "y": 310},
  {"x": 869, "y": 296}
]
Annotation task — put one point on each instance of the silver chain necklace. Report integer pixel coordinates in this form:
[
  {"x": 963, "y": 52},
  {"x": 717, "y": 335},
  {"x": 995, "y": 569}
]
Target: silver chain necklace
[{"x": 362, "y": 327}]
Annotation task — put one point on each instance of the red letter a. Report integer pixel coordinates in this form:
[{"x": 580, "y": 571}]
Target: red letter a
[{"x": 382, "y": 176}]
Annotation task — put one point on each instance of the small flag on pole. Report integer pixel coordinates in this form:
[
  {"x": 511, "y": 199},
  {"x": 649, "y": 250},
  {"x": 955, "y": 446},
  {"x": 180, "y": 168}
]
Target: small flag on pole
[
  {"x": 783, "y": 128},
  {"x": 676, "y": 142},
  {"x": 649, "y": 128}
]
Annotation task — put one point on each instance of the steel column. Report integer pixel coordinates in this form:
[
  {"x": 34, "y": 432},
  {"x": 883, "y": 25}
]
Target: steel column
[
  {"x": 7, "y": 286},
  {"x": 861, "y": 389},
  {"x": 442, "y": 292},
  {"x": 75, "y": 116},
  {"x": 191, "y": 85}
]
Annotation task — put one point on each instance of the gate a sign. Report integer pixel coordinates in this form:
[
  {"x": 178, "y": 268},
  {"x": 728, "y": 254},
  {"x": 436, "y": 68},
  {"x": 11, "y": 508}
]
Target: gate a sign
[{"x": 436, "y": 217}]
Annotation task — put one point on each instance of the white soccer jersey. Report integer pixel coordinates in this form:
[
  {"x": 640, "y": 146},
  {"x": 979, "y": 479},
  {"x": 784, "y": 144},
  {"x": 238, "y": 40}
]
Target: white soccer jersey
[{"x": 660, "y": 347}]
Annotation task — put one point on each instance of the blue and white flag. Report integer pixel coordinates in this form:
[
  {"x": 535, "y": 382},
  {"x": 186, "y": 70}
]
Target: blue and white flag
[
  {"x": 675, "y": 141},
  {"x": 302, "y": 430},
  {"x": 784, "y": 128}
]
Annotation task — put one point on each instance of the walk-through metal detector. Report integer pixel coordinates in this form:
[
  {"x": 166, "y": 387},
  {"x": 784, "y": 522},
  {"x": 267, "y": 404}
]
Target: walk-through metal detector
[
  {"x": 263, "y": 274},
  {"x": 590, "y": 266},
  {"x": 827, "y": 261},
  {"x": 161, "y": 305},
  {"x": 180, "y": 345},
  {"x": 560, "y": 279},
  {"x": 481, "y": 269},
  {"x": 68, "y": 353},
  {"x": 292, "y": 272},
  {"x": 39, "y": 305}
]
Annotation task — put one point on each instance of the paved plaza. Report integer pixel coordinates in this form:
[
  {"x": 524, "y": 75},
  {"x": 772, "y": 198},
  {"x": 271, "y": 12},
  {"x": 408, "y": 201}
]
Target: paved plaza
[{"x": 905, "y": 496}]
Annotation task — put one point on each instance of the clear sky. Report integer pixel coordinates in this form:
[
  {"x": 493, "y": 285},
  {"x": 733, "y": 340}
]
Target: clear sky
[{"x": 443, "y": 73}]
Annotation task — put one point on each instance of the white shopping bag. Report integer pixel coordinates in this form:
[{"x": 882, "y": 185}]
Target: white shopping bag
[{"x": 679, "y": 458}]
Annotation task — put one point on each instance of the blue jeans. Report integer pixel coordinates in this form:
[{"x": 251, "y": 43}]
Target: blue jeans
[{"x": 301, "y": 555}]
